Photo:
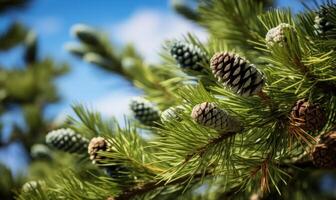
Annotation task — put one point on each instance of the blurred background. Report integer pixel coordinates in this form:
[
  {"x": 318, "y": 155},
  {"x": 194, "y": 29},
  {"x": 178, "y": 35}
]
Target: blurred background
[{"x": 39, "y": 79}]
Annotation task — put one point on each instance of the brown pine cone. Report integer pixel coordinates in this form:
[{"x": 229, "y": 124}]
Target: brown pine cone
[
  {"x": 97, "y": 144},
  {"x": 324, "y": 153},
  {"x": 208, "y": 114},
  {"x": 237, "y": 73},
  {"x": 324, "y": 156},
  {"x": 329, "y": 138},
  {"x": 307, "y": 116}
]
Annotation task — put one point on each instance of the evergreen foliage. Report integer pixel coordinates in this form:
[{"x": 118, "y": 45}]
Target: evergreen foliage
[
  {"x": 25, "y": 92},
  {"x": 282, "y": 147}
]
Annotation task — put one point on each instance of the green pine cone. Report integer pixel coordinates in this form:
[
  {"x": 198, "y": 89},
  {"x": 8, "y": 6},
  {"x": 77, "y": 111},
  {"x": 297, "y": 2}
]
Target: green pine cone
[
  {"x": 144, "y": 111},
  {"x": 67, "y": 140},
  {"x": 209, "y": 115},
  {"x": 188, "y": 56},
  {"x": 40, "y": 152}
]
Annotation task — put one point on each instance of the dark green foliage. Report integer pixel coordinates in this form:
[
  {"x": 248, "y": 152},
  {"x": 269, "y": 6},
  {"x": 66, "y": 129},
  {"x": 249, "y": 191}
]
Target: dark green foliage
[
  {"x": 31, "y": 48},
  {"x": 14, "y": 35},
  {"x": 25, "y": 92},
  {"x": 325, "y": 21}
]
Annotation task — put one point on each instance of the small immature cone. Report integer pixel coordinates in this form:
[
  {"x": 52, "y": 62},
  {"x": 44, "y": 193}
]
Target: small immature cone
[
  {"x": 100, "y": 144},
  {"x": 67, "y": 140},
  {"x": 188, "y": 56},
  {"x": 324, "y": 153},
  {"x": 237, "y": 73},
  {"x": 307, "y": 116},
  {"x": 277, "y": 35},
  {"x": 40, "y": 152},
  {"x": 97, "y": 144},
  {"x": 145, "y": 111},
  {"x": 209, "y": 115}
]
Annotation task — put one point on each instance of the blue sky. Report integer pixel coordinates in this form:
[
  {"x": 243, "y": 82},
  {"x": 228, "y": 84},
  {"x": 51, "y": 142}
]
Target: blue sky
[{"x": 146, "y": 23}]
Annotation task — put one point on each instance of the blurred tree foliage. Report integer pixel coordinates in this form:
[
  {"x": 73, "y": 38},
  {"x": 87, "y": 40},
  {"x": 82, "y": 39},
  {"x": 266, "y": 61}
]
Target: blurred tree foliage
[{"x": 28, "y": 89}]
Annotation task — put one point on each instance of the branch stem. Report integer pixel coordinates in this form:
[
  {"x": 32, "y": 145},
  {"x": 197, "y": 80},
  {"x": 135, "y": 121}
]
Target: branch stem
[{"x": 141, "y": 189}]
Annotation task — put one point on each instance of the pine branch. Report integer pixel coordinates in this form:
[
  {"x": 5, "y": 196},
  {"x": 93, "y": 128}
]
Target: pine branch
[
  {"x": 141, "y": 189},
  {"x": 201, "y": 150},
  {"x": 326, "y": 87}
]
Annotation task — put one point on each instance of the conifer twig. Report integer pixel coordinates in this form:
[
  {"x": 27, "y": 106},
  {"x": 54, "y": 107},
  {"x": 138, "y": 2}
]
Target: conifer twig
[
  {"x": 324, "y": 86},
  {"x": 141, "y": 189},
  {"x": 200, "y": 151}
]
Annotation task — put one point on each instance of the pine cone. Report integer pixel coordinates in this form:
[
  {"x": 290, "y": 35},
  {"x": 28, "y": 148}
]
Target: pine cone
[
  {"x": 188, "y": 56},
  {"x": 32, "y": 185},
  {"x": 209, "y": 115},
  {"x": 171, "y": 113},
  {"x": 67, "y": 140},
  {"x": 307, "y": 116},
  {"x": 40, "y": 152},
  {"x": 322, "y": 24},
  {"x": 277, "y": 35},
  {"x": 324, "y": 153},
  {"x": 144, "y": 111},
  {"x": 97, "y": 144},
  {"x": 235, "y": 72},
  {"x": 328, "y": 138}
]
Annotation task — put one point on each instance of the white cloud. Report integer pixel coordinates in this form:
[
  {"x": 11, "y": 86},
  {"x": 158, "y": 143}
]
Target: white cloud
[
  {"x": 113, "y": 104},
  {"x": 48, "y": 25},
  {"x": 148, "y": 29}
]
